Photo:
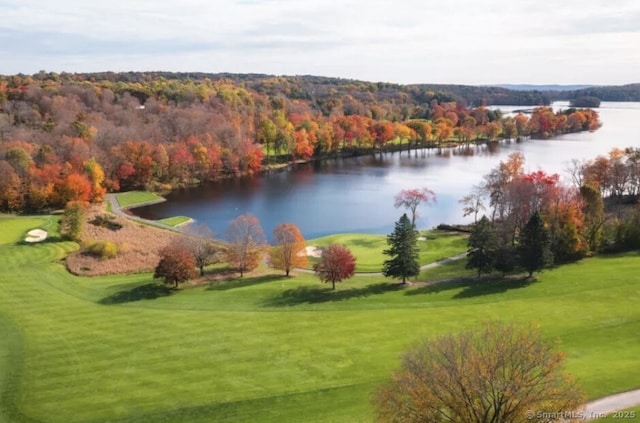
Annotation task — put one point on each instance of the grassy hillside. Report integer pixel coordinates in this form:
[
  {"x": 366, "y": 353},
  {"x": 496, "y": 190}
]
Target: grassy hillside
[{"x": 269, "y": 348}]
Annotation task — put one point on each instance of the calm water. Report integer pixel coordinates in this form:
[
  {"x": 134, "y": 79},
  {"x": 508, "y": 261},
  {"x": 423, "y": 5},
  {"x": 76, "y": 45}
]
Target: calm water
[{"x": 356, "y": 194}]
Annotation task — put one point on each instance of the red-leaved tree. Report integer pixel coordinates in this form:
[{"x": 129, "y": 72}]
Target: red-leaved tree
[
  {"x": 337, "y": 263},
  {"x": 176, "y": 265}
]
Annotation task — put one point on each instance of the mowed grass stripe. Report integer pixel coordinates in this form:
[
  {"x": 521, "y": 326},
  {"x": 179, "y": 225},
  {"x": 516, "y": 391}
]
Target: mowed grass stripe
[{"x": 280, "y": 349}]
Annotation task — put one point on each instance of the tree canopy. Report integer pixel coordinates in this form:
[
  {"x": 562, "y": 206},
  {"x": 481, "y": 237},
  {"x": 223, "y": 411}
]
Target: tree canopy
[
  {"x": 336, "y": 264},
  {"x": 497, "y": 374},
  {"x": 289, "y": 249}
]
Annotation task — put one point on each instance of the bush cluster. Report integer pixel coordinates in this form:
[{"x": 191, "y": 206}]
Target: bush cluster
[
  {"x": 103, "y": 249},
  {"x": 106, "y": 221}
]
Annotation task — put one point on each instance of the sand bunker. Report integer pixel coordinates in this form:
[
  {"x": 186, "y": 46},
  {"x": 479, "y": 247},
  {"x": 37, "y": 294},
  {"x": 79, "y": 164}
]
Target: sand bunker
[
  {"x": 36, "y": 235},
  {"x": 313, "y": 251}
]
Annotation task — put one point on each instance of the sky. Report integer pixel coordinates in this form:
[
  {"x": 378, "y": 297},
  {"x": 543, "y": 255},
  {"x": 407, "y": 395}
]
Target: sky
[{"x": 403, "y": 41}]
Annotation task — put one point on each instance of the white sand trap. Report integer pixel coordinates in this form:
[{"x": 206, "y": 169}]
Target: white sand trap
[
  {"x": 36, "y": 235},
  {"x": 422, "y": 238},
  {"x": 313, "y": 251}
]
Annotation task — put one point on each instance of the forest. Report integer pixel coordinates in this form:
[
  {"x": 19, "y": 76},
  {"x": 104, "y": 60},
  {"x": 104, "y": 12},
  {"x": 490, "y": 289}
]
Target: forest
[{"x": 74, "y": 137}]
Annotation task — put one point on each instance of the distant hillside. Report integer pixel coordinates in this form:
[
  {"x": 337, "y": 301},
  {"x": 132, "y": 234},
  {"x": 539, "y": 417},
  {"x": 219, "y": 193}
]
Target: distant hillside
[
  {"x": 630, "y": 92},
  {"x": 325, "y": 90},
  {"x": 543, "y": 87}
]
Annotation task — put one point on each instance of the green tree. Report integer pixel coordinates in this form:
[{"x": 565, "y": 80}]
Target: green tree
[
  {"x": 500, "y": 374},
  {"x": 535, "y": 245},
  {"x": 72, "y": 220},
  {"x": 482, "y": 247},
  {"x": 403, "y": 250},
  {"x": 505, "y": 259},
  {"x": 594, "y": 216},
  {"x": 266, "y": 134}
]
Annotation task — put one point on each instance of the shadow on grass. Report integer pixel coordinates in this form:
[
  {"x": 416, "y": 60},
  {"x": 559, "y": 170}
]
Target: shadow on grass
[
  {"x": 474, "y": 287},
  {"x": 314, "y": 295},
  {"x": 366, "y": 243},
  {"x": 149, "y": 291},
  {"x": 48, "y": 240},
  {"x": 243, "y": 282}
]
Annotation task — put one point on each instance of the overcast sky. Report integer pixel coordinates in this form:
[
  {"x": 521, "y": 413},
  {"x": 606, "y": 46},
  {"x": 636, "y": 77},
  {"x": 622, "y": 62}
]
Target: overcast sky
[{"x": 405, "y": 41}]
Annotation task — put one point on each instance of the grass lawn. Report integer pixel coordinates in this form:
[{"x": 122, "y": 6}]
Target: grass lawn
[
  {"x": 269, "y": 348},
  {"x": 135, "y": 198},
  {"x": 368, "y": 248},
  {"x": 453, "y": 269},
  {"x": 175, "y": 221}
]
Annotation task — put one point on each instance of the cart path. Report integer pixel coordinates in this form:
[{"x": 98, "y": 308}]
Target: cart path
[
  {"x": 611, "y": 403},
  {"x": 423, "y": 267},
  {"x": 119, "y": 211}
]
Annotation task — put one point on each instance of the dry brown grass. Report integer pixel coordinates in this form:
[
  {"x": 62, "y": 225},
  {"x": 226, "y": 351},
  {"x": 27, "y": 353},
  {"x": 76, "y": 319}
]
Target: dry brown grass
[{"x": 139, "y": 245}]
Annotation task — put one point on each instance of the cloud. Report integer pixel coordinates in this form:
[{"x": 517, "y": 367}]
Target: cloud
[{"x": 403, "y": 41}]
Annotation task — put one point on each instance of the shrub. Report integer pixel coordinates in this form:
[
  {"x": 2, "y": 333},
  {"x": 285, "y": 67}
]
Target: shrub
[
  {"x": 106, "y": 221},
  {"x": 103, "y": 249},
  {"x": 491, "y": 375},
  {"x": 72, "y": 220}
]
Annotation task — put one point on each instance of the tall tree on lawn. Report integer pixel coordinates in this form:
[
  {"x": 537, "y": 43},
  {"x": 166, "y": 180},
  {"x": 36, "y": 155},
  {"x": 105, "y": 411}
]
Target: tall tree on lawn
[{"x": 403, "y": 251}]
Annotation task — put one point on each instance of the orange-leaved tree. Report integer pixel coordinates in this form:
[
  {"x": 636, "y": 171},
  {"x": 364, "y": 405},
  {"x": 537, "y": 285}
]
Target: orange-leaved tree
[
  {"x": 246, "y": 243},
  {"x": 289, "y": 249}
]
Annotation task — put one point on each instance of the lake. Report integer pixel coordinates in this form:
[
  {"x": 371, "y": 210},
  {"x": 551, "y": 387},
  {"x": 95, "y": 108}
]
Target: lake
[{"x": 356, "y": 194}]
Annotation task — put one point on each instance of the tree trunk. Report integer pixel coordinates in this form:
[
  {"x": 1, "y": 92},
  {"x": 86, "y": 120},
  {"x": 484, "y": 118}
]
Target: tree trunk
[
  {"x": 404, "y": 280},
  {"x": 201, "y": 270},
  {"x": 333, "y": 285},
  {"x": 287, "y": 272}
]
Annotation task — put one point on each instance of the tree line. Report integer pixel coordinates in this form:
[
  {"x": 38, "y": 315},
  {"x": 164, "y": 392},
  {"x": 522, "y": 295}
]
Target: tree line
[
  {"x": 533, "y": 220},
  {"x": 75, "y": 137}
]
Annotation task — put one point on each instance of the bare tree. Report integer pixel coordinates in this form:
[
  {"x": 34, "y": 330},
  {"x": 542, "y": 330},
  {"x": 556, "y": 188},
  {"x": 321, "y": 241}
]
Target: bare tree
[
  {"x": 473, "y": 204},
  {"x": 199, "y": 240},
  {"x": 576, "y": 169}
]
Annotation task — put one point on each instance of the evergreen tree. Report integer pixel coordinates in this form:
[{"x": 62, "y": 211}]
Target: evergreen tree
[
  {"x": 535, "y": 245},
  {"x": 482, "y": 247},
  {"x": 403, "y": 250},
  {"x": 506, "y": 259}
]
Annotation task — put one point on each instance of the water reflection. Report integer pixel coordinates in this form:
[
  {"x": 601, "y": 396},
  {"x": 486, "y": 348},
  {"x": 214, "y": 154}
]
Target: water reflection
[{"x": 356, "y": 194}]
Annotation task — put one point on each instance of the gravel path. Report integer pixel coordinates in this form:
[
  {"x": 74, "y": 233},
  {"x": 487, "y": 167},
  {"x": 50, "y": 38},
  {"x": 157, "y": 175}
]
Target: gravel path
[{"x": 611, "y": 403}]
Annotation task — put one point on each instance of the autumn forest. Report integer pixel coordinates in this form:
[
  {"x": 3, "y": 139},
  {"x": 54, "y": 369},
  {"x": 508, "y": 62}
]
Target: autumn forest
[{"x": 74, "y": 137}]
